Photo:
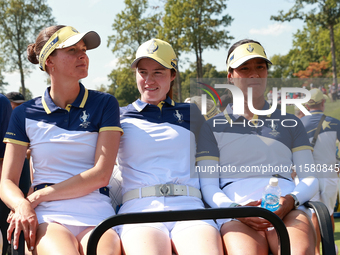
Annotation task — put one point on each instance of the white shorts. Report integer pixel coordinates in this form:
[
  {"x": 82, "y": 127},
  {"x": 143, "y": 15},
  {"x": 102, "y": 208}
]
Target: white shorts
[
  {"x": 88, "y": 210},
  {"x": 157, "y": 204},
  {"x": 327, "y": 194},
  {"x": 75, "y": 230},
  {"x": 247, "y": 190}
]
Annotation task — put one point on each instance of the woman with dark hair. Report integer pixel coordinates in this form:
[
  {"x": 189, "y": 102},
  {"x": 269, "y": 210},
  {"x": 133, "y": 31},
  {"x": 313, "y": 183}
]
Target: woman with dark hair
[
  {"x": 253, "y": 141},
  {"x": 73, "y": 140}
]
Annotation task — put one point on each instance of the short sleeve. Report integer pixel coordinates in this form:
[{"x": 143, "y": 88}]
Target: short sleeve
[
  {"x": 16, "y": 132},
  {"x": 207, "y": 148},
  {"x": 111, "y": 113}
]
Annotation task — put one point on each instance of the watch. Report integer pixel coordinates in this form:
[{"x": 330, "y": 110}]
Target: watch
[{"x": 296, "y": 201}]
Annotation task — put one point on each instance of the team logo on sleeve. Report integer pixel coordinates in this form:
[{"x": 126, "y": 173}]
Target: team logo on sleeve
[
  {"x": 178, "y": 116},
  {"x": 84, "y": 119}
]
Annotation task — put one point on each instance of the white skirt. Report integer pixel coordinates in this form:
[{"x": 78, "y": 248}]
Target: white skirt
[{"x": 88, "y": 210}]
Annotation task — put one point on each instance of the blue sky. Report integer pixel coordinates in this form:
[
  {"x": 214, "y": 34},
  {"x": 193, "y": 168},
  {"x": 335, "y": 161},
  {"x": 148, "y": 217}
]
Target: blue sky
[{"x": 251, "y": 20}]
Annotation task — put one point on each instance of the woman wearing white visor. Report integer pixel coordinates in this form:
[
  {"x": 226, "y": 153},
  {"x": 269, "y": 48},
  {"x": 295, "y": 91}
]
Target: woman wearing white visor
[
  {"x": 74, "y": 141},
  {"x": 249, "y": 141}
]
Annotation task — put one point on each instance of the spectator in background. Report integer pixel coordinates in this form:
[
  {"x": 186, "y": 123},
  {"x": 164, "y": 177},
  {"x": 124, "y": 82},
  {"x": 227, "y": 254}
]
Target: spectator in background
[
  {"x": 297, "y": 112},
  {"x": 226, "y": 99},
  {"x": 5, "y": 113},
  {"x": 330, "y": 92},
  {"x": 324, "y": 154},
  {"x": 270, "y": 97},
  {"x": 334, "y": 92},
  {"x": 15, "y": 98},
  {"x": 212, "y": 110}
]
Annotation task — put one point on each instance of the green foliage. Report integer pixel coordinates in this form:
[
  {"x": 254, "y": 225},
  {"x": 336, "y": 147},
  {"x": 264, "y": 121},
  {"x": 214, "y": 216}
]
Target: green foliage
[
  {"x": 102, "y": 88},
  {"x": 209, "y": 71},
  {"x": 132, "y": 27},
  {"x": 333, "y": 109},
  {"x": 123, "y": 85},
  {"x": 319, "y": 15},
  {"x": 28, "y": 95},
  {"x": 196, "y": 25},
  {"x": 2, "y": 78},
  {"x": 311, "y": 44},
  {"x": 20, "y": 23},
  {"x": 280, "y": 67},
  {"x": 324, "y": 13}
]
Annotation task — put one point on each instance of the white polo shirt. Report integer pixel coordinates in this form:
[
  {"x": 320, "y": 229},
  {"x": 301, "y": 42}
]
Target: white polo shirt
[
  {"x": 63, "y": 144},
  {"x": 247, "y": 149},
  {"x": 158, "y": 145}
]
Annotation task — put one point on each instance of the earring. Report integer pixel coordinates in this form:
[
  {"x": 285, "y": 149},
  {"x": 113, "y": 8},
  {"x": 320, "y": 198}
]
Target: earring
[{"x": 52, "y": 69}]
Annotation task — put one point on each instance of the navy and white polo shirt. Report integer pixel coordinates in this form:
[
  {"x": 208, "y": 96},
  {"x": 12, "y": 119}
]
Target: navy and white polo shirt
[
  {"x": 325, "y": 146},
  {"x": 158, "y": 145},
  {"x": 63, "y": 141},
  {"x": 5, "y": 114},
  {"x": 247, "y": 148}
]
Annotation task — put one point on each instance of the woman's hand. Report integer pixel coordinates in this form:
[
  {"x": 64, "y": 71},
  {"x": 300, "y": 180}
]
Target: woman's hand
[
  {"x": 256, "y": 223},
  {"x": 34, "y": 198},
  {"x": 23, "y": 218},
  {"x": 286, "y": 206}
]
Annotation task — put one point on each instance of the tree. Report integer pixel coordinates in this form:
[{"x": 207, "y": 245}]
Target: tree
[
  {"x": 209, "y": 71},
  {"x": 196, "y": 25},
  {"x": 325, "y": 13},
  {"x": 314, "y": 70},
  {"x": 123, "y": 85},
  {"x": 20, "y": 23},
  {"x": 132, "y": 27},
  {"x": 280, "y": 67},
  {"x": 2, "y": 78},
  {"x": 28, "y": 95}
]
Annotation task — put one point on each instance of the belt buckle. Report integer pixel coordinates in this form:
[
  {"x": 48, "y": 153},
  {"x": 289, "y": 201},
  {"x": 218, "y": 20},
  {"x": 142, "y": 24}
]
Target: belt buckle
[{"x": 164, "y": 189}]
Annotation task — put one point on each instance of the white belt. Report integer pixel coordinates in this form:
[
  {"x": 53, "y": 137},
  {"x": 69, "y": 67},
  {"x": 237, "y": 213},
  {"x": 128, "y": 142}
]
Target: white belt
[{"x": 162, "y": 190}]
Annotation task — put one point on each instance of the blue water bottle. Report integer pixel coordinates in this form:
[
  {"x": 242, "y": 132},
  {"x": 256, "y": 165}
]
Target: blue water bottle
[{"x": 271, "y": 195}]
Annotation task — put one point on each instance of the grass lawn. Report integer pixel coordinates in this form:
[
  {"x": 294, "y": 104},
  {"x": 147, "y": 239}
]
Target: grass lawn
[
  {"x": 337, "y": 231},
  {"x": 332, "y": 109}
]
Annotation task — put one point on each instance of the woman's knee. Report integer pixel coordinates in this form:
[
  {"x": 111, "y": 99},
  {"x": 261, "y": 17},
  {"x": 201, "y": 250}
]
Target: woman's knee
[
  {"x": 239, "y": 238},
  {"x": 301, "y": 232},
  {"x": 146, "y": 240},
  {"x": 108, "y": 244}
]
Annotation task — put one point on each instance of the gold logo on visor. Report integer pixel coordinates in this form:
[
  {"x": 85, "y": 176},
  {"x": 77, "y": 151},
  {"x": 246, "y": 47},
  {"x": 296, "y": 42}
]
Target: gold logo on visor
[
  {"x": 250, "y": 48},
  {"x": 152, "y": 47}
]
